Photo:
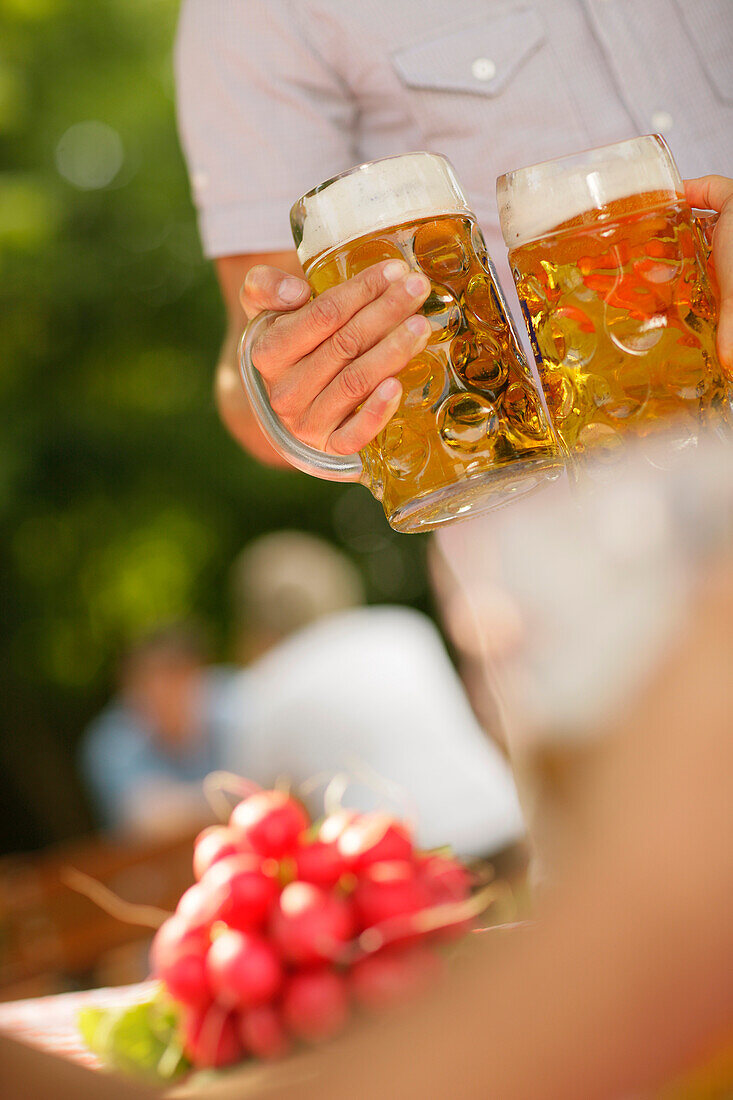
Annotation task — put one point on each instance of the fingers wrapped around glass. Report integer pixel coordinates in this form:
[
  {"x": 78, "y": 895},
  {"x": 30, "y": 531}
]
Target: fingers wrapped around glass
[{"x": 470, "y": 431}]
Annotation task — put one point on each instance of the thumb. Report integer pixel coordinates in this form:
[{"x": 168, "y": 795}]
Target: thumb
[
  {"x": 716, "y": 193},
  {"x": 268, "y": 287}
]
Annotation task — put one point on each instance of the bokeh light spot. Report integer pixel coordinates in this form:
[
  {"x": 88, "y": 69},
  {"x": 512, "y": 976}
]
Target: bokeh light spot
[{"x": 89, "y": 155}]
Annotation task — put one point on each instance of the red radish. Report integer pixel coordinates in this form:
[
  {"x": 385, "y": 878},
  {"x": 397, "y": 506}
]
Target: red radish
[
  {"x": 178, "y": 958},
  {"x": 186, "y": 980},
  {"x": 449, "y": 883},
  {"x": 199, "y": 905},
  {"x": 392, "y": 975},
  {"x": 211, "y": 1037},
  {"x": 387, "y": 890},
  {"x": 243, "y": 970},
  {"x": 244, "y": 893},
  {"x": 446, "y": 879},
  {"x": 262, "y": 1032},
  {"x": 373, "y": 838},
  {"x": 315, "y": 1004},
  {"x": 319, "y": 863},
  {"x": 176, "y": 937},
  {"x": 216, "y": 842},
  {"x": 333, "y": 826},
  {"x": 310, "y": 925},
  {"x": 270, "y": 822}
]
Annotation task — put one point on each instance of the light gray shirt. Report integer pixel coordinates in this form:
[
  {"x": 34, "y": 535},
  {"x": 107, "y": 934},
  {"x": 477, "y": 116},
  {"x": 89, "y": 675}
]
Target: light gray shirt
[
  {"x": 371, "y": 693},
  {"x": 275, "y": 96}
]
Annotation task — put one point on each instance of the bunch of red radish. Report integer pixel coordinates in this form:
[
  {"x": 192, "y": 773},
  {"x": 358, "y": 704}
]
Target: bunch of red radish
[{"x": 289, "y": 927}]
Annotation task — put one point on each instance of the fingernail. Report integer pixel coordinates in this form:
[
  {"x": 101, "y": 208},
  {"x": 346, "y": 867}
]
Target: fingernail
[
  {"x": 394, "y": 270},
  {"x": 416, "y": 285},
  {"x": 291, "y": 289},
  {"x": 389, "y": 389},
  {"x": 418, "y": 325}
]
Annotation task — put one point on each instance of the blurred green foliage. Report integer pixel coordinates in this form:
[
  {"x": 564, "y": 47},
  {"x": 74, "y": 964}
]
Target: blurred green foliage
[{"x": 122, "y": 500}]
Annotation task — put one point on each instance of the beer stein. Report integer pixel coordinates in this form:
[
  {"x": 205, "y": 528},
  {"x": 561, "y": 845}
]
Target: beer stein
[
  {"x": 470, "y": 432},
  {"x": 611, "y": 268}
]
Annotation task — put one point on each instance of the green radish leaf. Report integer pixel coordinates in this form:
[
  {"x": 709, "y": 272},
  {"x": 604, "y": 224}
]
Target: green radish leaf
[
  {"x": 143, "y": 1039},
  {"x": 90, "y": 1021}
]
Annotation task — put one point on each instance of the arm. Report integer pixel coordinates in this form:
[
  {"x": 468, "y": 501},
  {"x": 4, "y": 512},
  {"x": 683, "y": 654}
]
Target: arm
[
  {"x": 231, "y": 400},
  {"x": 132, "y": 793},
  {"x": 158, "y": 806},
  {"x": 249, "y": 85}
]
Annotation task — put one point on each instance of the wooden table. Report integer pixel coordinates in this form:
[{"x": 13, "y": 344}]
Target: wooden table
[
  {"x": 42, "y": 1054},
  {"x": 53, "y": 938}
]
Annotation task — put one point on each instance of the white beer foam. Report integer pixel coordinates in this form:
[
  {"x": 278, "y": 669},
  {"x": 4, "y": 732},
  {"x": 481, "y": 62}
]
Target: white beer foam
[
  {"x": 533, "y": 201},
  {"x": 375, "y": 196}
]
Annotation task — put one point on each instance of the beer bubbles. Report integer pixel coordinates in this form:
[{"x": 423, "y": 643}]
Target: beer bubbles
[
  {"x": 469, "y": 431},
  {"x": 611, "y": 270},
  {"x": 469, "y": 406}
]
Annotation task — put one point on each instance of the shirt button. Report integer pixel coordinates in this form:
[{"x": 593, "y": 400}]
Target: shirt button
[
  {"x": 662, "y": 120},
  {"x": 483, "y": 68}
]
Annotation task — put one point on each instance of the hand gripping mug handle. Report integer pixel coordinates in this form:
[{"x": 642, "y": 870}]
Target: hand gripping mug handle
[{"x": 308, "y": 459}]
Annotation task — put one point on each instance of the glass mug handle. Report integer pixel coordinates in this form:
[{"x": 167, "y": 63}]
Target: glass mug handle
[
  {"x": 307, "y": 459},
  {"x": 706, "y": 220}
]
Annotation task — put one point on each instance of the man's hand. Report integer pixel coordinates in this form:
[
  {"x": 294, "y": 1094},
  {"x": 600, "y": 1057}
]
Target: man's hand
[
  {"x": 326, "y": 357},
  {"x": 330, "y": 363},
  {"x": 716, "y": 193}
]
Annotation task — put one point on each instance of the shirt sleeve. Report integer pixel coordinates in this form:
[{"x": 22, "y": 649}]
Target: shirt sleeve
[{"x": 262, "y": 119}]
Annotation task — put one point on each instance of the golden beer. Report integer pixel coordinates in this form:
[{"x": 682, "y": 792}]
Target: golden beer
[
  {"x": 471, "y": 431},
  {"x": 618, "y": 299},
  {"x": 469, "y": 405}
]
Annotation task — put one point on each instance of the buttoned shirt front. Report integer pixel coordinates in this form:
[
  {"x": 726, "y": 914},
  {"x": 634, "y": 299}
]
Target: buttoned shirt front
[{"x": 275, "y": 96}]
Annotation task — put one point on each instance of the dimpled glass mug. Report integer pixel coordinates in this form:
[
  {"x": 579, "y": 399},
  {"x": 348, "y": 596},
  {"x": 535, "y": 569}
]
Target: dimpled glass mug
[
  {"x": 470, "y": 432},
  {"x": 612, "y": 273}
]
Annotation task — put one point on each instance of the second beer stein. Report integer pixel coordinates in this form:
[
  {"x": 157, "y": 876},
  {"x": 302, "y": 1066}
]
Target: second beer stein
[
  {"x": 470, "y": 431},
  {"x": 611, "y": 270}
]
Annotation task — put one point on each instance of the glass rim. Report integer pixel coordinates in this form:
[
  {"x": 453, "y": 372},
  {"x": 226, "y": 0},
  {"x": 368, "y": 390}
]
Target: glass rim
[
  {"x": 364, "y": 165},
  {"x": 654, "y": 140},
  {"x": 537, "y": 200},
  {"x": 372, "y": 196}
]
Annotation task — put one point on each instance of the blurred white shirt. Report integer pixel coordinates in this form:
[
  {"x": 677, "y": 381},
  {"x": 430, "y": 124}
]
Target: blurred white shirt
[{"x": 373, "y": 690}]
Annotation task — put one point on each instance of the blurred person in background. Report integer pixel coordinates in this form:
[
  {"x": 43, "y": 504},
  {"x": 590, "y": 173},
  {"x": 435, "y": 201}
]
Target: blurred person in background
[
  {"x": 284, "y": 581},
  {"x": 370, "y": 692},
  {"x": 145, "y": 756},
  {"x": 330, "y": 686}
]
